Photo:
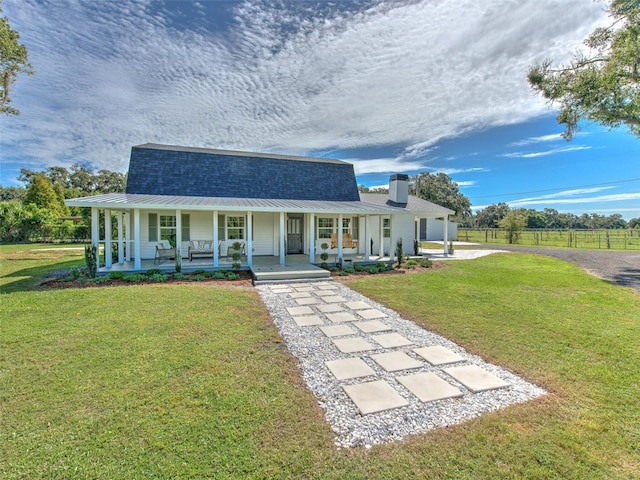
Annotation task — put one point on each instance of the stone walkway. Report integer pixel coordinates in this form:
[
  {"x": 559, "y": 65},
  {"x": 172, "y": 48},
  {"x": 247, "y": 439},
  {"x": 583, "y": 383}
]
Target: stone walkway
[{"x": 378, "y": 376}]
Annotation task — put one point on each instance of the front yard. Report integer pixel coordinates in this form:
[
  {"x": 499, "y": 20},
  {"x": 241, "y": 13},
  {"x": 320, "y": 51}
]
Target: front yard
[{"x": 193, "y": 381}]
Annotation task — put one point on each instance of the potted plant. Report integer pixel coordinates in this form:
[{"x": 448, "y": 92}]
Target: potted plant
[
  {"x": 324, "y": 256},
  {"x": 236, "y": 256}
]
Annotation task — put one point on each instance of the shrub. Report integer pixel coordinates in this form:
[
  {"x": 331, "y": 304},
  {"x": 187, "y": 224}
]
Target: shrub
[
  {"x": 383, "y": 267},
  {"x": 359, "y": 267},
  {"x": 218, "y": 275},
  {"x": 158, "y": 277},
  {"x": 116, "y": 275},
  {"x": 90, "y": 252},
  {"x": 199, "y": 272},
  {"x": 411, "y": 263},
  {"x": 74, "y": 274},
  {"x": 232, "y": 276},
  {"x": 135, "y": 277},
  {"x": 334, "y": 269},
  {"x": 198, "y": 278},
  {"x": 372, "y": 269},
  {"x": 399, "y": 251},
  {"x": 425, "y": 263},
  {"x": 181, "y": 276},
  {"x": 349, "y": 270},
  {"x": 153, "y": 271}
]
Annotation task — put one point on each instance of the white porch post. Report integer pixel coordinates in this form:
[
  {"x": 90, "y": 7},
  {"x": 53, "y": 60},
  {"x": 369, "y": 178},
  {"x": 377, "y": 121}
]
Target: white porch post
[
  {"x": 107, "y": 238},
  {"x": 129, "y": 236},
  {"x": 392, "y": 238},
  {"x": 214, "y": 244},
  {"x": 249, "y": 238},
  {"x": 445, "y": 233},
  {"x": 312, "y": 238},
  {"x": 137, "y": 262},
  {"x": 120, "y": 237},
  {"x": 381, "y": 234},
  {"x": 95, "y": 231},
  {"x": 179, "y": 234},
  {"x": 367, "y": 234},
  {"x": 339, "y": 235},
  {"x": 282, "y": 252}
]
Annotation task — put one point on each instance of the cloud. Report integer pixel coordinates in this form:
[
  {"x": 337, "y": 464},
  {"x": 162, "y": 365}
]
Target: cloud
[
  {"x": 545, "y": 153},
  {"x": 292, "y": 78},
  {"x": 544, "y": 138},
  {"x": 468, "y": 183}
]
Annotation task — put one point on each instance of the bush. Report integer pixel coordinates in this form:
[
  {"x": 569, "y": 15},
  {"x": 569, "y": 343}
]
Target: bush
[
  {"x": 181, "y": 276},
  {"x": 158, "y": 277},
  {"x": 218, "y": 275},
  {"x": 425, "y": 263},
  {"x": 232, "y": 276},
  {"x": 372, "y": 269},
  {"x": 359, "y": 267},
  {"x": 153, "y": 271},
  {"x": 135, "y": 277},
  {"x": 383, "y": 267},
  {"x": 199, "y": 272},
  {"x": 90, "y": 252},
  {"x": 74, "y": 274},
  {"x": 198, "y": 278},
  {"x": 116, "y": 275}
]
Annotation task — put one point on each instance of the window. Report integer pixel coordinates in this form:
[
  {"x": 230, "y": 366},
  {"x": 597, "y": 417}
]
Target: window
[
  {"x": 386, "y": 227},
  {"x": 346, "y": 225},
  {"x": 167, "y": 227},
  {"x": 235, "y": 228},
  {"x": 325, "y": 227}
]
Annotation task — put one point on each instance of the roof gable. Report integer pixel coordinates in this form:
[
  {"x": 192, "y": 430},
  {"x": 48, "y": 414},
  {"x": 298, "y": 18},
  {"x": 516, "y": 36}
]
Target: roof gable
[{"x": 169, "y": 170}]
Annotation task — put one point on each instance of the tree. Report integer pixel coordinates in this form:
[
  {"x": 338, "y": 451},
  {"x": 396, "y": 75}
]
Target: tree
[
  {"x": 42, "y": 194},
  {"x": 514, "y": 224},
  {"x": 602, "y": 85},
  {"x": 490, "y": 217},
  {"x": 13, "y": 60},
  {"x": 440, "y": 189},
  {"x": 634, "y": 223}
]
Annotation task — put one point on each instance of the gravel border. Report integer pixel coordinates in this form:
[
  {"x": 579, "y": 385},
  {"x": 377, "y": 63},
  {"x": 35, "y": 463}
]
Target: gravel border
[{"x": 312, "y": 348}]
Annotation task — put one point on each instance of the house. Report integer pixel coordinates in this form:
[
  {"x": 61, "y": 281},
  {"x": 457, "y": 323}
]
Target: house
[{"x": 276, "y": 205}]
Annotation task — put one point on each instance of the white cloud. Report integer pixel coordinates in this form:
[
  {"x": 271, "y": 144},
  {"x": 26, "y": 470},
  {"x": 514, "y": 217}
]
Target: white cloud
[
  {"x": 545, "y": 153},
  {"x": 544, "y": 138},
  {"x": 110, "y": 75}
]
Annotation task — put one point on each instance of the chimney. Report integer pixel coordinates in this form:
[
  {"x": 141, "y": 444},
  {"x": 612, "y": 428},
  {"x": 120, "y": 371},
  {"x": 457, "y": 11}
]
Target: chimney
[{"x": 399, "y": 188}]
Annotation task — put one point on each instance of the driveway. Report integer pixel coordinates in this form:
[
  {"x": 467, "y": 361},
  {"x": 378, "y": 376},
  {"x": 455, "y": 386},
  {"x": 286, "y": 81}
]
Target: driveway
[{"x": 618, "y": 267}]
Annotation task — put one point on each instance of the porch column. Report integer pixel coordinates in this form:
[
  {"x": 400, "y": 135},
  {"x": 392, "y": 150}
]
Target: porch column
[
  {"x": 107, "y": 238},
  {"x": 381, "y": 234},
  {"x": 282, "y": 252},
  {"x": 249, "y": 238},
  {"x": 445, "y": 233},
  {"x": 120, "y": 237},
  {"x": 339, "y": 235},
  {"x": 367, "y": 234},
  {"x": 312, "y": 238},
  {"x": 392, "y": 238},
  {"x": 95, "y": 231},
  {"x": 179, "y": 234},
  {"x": 214, "y": 244},
  {"x": 137, "y": 262},
  {"x": 129, "y": 236}
]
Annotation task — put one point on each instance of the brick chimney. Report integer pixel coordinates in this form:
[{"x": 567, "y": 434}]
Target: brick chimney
[{"x": 399, "y": 188}]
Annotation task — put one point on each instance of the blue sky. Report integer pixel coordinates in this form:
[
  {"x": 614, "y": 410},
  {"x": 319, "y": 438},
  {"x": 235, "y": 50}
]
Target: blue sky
[{"x": 392, "y": 86}]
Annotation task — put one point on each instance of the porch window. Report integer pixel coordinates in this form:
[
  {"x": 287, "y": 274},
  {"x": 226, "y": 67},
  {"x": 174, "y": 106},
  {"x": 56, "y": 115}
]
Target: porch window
[
  {"x": 235, "y": 228},
  {"x": 325, "y": 227},
  {"x": 346, "y": 225},
  {"x": 386, "y": 227},
  {"x": 167, "y": 227}
]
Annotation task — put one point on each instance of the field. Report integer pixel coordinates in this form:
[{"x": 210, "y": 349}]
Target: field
[
  {"x": 193, "y": 381},
  {"x": 582, "y": 239}
]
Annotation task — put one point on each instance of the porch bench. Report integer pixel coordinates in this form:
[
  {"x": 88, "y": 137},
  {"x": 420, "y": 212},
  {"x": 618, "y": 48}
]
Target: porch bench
[
  {"x": 200, "y": 248},
  {"x": 164, "y": 251},
  {"x": 225, "y": 248},
  {"x": 347, "y": 241}
]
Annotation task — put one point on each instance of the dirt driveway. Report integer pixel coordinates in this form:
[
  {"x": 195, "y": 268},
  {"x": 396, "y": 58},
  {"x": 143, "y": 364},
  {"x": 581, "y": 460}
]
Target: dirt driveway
[{"x": 619, "y": 267}]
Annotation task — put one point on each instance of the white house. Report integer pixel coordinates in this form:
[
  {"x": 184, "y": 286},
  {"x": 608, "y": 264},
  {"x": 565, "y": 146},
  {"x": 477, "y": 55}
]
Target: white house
[{"x": 276, "y": 205}]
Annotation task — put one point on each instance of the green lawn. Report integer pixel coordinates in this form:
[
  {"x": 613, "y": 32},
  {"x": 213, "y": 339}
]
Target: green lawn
[{"x": 193, "y": 381}]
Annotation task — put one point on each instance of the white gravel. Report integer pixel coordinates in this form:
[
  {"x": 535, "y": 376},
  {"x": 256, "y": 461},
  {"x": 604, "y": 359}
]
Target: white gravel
[{"x": 312, "y": 349}]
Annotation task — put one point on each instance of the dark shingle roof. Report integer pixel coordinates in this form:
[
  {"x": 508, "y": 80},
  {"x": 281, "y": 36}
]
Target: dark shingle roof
[{"x": 169, "y": 170}]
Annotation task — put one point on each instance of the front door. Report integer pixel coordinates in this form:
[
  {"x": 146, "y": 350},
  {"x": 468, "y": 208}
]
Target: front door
[{"x": 294, "y": 234}]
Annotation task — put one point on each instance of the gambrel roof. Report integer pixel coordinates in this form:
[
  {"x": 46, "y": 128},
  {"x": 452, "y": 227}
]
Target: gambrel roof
[{"x": 199, "y": 172}]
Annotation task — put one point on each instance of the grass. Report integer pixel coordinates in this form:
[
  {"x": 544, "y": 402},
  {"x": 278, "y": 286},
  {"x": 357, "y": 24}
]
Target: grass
[
  {"x": 193, "y": 381},
  {"x": 583, "y": 239}
]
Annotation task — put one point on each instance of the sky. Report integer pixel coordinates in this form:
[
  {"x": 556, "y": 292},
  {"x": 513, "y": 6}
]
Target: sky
[{"x": 393, "y": 86}]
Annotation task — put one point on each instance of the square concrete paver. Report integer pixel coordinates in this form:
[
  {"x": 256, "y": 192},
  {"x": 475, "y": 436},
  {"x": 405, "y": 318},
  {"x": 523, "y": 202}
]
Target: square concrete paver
[
  {"x": 358, "y": 305},
  {"x": 391, "y": 340},
  {"x": 330, "y": 308},
  {"x": 300, "y": 295},
  {"x": 304, "y": 288},
  {"x": 308, "y": 320},
  {"x": 352, "y": 344},
  {"x": 438, "y": 355},
  {"x": 337, "y": 330},
  {"x": 299, "y": 310},
  {"x": 325, "y": 293},
  {"x": 349, "y": 368},
  {"x": 429, "y": 386},
  {"x": 326, "y": 287},
  {"x": 374, "y": 397},
  {"x": 334, "y": 299},
  {"x": 475, "y": 378},
  {"x": 308, "y": 301},
  {"x": 340, "y": 317},
  {"x": 394, "y": 361},
  {"x": 372, "y": 326},
  {"x": 371, "y": 314}
]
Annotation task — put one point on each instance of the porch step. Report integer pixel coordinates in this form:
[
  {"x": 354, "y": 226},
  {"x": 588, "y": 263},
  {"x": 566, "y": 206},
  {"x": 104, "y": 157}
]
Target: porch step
[{"x": 283, "y": 274}]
